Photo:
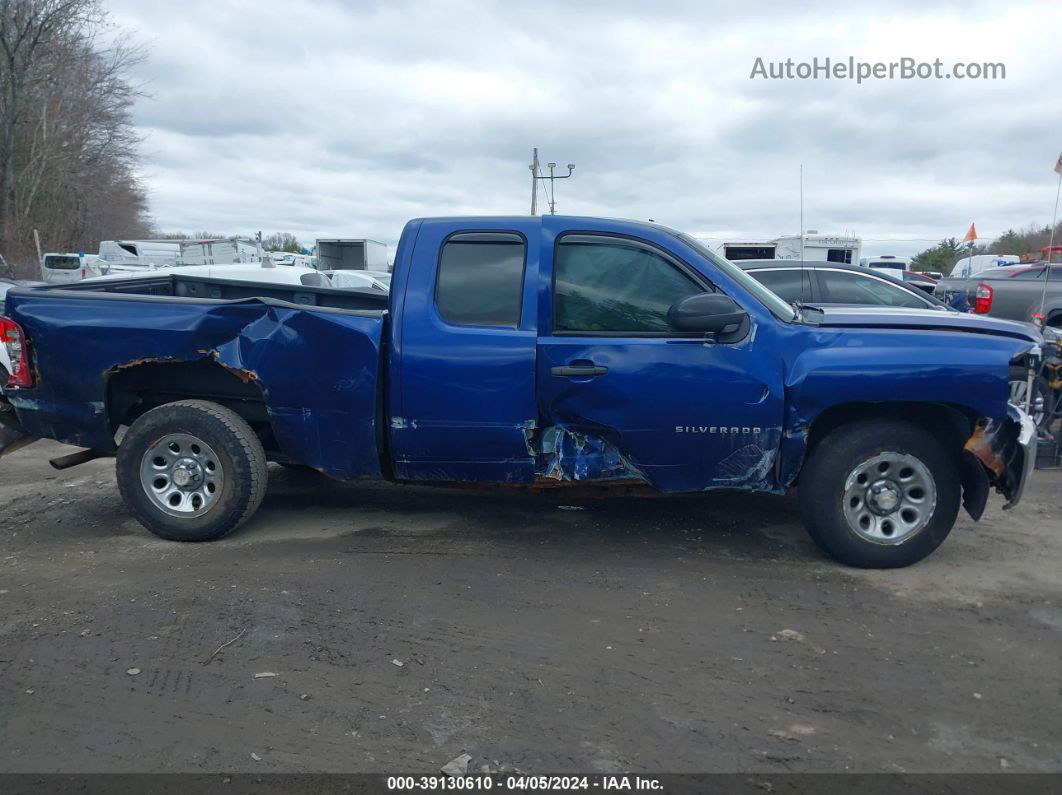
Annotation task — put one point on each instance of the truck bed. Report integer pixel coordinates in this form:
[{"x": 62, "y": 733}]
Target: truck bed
[
  {"x": 305, "y": 361},
  {"x": 183, "y": 286}
]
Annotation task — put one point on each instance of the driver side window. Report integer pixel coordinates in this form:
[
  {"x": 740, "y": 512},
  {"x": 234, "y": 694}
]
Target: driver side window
[{"x": 613, "y": 285}]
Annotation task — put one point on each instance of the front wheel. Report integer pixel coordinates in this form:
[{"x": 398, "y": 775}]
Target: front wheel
[
  {"x": 880, "y": 494},
  {"x": 191, "y": 470}
]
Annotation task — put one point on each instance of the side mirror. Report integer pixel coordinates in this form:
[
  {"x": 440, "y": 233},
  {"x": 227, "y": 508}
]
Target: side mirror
[{"x": 708, "y": 312}]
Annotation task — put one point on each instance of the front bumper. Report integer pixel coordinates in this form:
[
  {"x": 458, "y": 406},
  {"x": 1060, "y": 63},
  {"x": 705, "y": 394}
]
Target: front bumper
[{"x": 1007, "y": 450}]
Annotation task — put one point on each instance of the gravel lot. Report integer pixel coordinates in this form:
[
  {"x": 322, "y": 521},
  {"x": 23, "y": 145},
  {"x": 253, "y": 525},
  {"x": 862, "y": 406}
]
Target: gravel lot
[{"x": 402, "y": 626}]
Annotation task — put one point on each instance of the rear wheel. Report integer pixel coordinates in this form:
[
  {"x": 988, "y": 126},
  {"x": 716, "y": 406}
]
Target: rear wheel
[
  {"x": 880, "y": 493},
  {"x": 191, "y": 471}
]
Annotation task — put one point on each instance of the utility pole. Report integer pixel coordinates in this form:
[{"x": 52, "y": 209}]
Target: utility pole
[
  {"x": 534, "y": 181},
  {"x": 535, "y": 177}
]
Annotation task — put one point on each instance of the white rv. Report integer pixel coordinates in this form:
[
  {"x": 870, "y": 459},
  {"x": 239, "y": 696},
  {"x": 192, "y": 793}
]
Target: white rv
[
  {"x": 815, "y": 248},
  {"x": 818, "y": 248}
]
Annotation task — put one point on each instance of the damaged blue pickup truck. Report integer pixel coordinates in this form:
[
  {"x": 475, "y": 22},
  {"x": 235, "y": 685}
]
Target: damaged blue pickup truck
[{"x": 536, "y": 351}]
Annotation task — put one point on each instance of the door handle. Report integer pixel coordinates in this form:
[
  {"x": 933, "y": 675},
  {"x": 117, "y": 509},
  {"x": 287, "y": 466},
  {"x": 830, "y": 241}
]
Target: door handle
[{"x": 578, "y": 371}]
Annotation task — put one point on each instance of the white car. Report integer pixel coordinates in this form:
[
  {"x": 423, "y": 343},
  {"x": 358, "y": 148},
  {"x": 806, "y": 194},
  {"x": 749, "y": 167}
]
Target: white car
[
  {"x": 347, "y": 279},
  {"x": 253, "y": 272}
]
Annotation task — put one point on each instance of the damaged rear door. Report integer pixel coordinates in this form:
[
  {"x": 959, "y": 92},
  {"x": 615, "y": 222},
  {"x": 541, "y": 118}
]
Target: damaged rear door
[
  {"x": 463, "y": 389},
  {"x": 622, "y": 395}
]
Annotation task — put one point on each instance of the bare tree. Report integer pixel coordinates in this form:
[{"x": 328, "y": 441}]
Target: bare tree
[
  {"x": 67, "y": 145},
  {"x": 282, "y": 241}
]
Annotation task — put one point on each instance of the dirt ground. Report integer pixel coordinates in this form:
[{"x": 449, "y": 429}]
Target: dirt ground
[{"x": 383, "y": 628}]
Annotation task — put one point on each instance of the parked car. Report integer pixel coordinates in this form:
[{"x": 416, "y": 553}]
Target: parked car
[
  {"x": 250, "y": 272},
  {"x": 62, "y": 268},
  {"x": 834, "y": 283},
  {"x": 373, "y": 280},
  {"x": 529, "y": 350},
  {"x": 1012, "y": 292},
  {"x": 921, "y": 281},
  {"x": 886, "y": 263}
]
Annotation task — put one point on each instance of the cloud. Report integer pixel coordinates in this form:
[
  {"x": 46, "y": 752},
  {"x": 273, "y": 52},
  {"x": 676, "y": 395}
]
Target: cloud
[{"x": 345, "y": 119}]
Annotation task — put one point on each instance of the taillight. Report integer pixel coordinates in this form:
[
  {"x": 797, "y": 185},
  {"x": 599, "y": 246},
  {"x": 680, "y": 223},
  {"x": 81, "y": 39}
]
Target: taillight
[
  {"x": 982, "y": 299},
  {"x": 14, "y": 339},
  {"x": 1039, "y": 319}
]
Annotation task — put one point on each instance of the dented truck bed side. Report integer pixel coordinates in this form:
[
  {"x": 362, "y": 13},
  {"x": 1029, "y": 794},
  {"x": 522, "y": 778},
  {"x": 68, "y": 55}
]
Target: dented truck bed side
[{"x": 317, "y": 369}]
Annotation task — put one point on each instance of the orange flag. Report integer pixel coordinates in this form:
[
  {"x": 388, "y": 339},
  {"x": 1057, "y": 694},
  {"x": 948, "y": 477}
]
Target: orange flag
[{"x": 971, "y": 234}]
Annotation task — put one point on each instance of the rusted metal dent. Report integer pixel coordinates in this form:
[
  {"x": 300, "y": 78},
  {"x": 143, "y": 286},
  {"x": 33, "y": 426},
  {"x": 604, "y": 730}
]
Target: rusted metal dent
[
  {"x": 985, "y": 446},
  {"x": 137, "y": 362},
  {"x": 246, "y": 376}
]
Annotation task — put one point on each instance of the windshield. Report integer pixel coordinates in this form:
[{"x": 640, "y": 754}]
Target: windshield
[{"x": 778, "y": 307}]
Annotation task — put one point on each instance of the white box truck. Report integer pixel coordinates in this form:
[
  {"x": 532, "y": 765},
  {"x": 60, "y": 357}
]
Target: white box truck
[{"x": 351, "y": 255}]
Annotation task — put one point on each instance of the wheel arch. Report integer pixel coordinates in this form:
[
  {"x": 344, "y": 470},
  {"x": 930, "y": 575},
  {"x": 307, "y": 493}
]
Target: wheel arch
[
  {"x": 956, "y": 423},
  {"x": 135, "y": 389},
  {"x": 952, "y": 424}
]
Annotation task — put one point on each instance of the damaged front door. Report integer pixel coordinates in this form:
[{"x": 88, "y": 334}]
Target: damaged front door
[{"x": 624, "y": 395}]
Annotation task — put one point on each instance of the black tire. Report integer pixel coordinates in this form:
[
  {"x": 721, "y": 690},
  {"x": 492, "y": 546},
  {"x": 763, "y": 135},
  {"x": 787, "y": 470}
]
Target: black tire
[
  {"x": 1041, "y": 391},
  {"x": 839, "y": 454},
  {"x": 240, "y": 457}
]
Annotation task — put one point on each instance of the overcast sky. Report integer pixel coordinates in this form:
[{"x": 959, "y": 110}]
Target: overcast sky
[{"x": 345, "y": 119}]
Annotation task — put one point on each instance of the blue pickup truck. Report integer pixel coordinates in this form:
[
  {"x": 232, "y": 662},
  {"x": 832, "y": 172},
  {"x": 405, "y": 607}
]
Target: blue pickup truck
[{"x": 527, "y": 351}]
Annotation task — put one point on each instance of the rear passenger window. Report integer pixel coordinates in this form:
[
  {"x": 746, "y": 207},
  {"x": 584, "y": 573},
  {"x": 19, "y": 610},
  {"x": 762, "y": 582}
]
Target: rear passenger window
[
  {"x": 480, "y": 280},
  {"x": 789, "y": 284}
]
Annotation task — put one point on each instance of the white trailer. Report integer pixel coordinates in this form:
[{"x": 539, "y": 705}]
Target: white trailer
[
  {"x": 230, "y": 251},
  {"x": 145, "y": 253},
  {"x": 748, "y": 249},
  {"x": 818, "y": 248},
  {"x": 339, "y": 254}
]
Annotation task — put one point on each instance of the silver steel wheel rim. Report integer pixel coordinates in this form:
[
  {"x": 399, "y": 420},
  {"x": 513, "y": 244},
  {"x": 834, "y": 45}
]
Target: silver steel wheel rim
[
  {"x": 1019, "y": 392},
  {"x": 181, "y": 475},
  {"x": 889, "y": 498}
]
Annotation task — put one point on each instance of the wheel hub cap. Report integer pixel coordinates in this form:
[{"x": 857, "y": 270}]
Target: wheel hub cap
[
  {"x": 181, "y": 475},
  {"x": 884, "y": 497},
  {"x": 889, "y": 498}
]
